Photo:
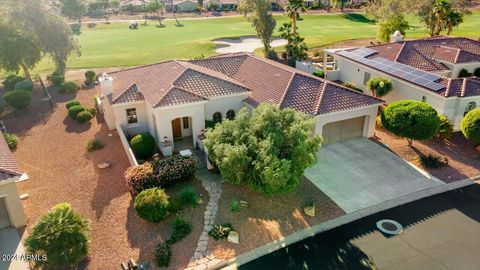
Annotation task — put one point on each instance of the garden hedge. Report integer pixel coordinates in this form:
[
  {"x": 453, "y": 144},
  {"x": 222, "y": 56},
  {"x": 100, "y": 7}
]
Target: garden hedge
[
  {"x": 140, "y": 178},
  {"x": 18, "y": 99},
  {"x": 151, "y": 204},
  {"x": 24, "y": 85},
  {"x": 72, "y": 103},
  {"x": 74, "y": 110},
  {"x": 143, "y": 145},
  {"x": 10, "y": 81},
  {"x": 84, "y": 117},
  {"x": 69, "y": 87},
  {"x": 57, "y": 79},
  {"x": 471, "y": 126}
]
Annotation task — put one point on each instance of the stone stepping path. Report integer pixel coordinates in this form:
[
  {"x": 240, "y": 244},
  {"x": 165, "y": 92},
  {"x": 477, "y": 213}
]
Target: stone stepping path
[{"x": 203, "y": 258}]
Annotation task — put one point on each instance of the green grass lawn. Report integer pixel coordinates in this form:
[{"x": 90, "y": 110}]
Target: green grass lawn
[{"x": 116, "y": 45}]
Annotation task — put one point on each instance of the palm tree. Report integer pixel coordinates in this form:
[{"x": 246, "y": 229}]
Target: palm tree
[
  {"x": 293, "y": 10},
  {"x": 379, "y": 86},
  {"x": 452, "y": 19},
  {"x": 440, "y": 9}
]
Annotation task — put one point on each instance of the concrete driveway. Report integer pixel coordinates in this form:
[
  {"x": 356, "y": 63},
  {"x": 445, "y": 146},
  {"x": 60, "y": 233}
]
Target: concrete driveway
[{"x": 360, "y": 173}]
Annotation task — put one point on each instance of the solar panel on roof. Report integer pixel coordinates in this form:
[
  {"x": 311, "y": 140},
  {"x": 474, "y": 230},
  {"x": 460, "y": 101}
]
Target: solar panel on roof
[
  {"x": 430, "y": 77},
  {"x": 421, "y": 81},
  {"x": 410, "y": 77},
  {"x": 434, "y": 86}
]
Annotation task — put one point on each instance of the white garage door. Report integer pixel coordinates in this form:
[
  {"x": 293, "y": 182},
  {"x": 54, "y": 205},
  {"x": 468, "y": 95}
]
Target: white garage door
[
  {"x": 4, "y": 217},
  {"x": 343, "y": 130}
]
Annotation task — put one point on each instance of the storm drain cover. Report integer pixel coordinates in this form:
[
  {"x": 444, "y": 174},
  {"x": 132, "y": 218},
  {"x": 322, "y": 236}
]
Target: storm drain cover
[{"x": 389, "y": 226}]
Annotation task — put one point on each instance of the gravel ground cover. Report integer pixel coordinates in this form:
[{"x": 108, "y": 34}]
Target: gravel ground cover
[{"x": 60, "y": 170}]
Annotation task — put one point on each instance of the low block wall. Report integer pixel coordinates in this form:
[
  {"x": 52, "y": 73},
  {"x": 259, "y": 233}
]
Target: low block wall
[{"x": 126, "y": 146}]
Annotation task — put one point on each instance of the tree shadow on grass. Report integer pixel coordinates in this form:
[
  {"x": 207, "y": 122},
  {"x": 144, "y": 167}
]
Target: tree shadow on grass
[{"x": 357, "y": 17}]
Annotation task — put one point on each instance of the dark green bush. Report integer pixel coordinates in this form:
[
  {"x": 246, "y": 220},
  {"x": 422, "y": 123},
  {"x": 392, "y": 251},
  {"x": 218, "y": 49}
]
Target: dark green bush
[
  {"x": 90, "y": 76},
  {"x": 69, "y": 87},
  {"x": 84, "y": 117},
  {"x": 94, "y": 144},
  {"x": 72, "y": 103},
  {"x": 234, "y": 205},
  {"x": 163, "y": 255},
  {"x": 174, "y": 205},
  {"x": 220, "y": 231},
  {"x": 12, "y": 140},
  {"x": 10, "y": 81},
  {"x": 92, "y": 110},
  {"x": 319, "y": 73},
  {"x": 209, "y": 124},
  {"x": 57, "y": 79},
  {"x": 140, "y": 178},
  {"x": 24, "y": 85},
  {"x": 181, "y": 228},
  {"x": 379, "y": 86},
  {"x": 151, "y": 204},
  {"x": 464, "y": 73},
  {"x": 188, "y": 196},
  {"x": 173, "y": 169},
  {"x": 75, "y": 110},
  {"x": 18, "y": 99},
  {"x": 477, "y": 72},
  {"x": 471, "y": 126},
  {"x": 143, "y": 145},
  {"x": 446, "y": 128},
  {"x": 431, "y": 162}
]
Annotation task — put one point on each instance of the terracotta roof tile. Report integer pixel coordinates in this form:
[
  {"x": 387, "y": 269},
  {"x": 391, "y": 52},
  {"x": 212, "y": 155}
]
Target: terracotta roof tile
[
  {"x": 177, "y": 96},
  {"x": 8, "y": 165},
  {"x": 129, "y": 95},
  {"x": 338, "y": 98}
]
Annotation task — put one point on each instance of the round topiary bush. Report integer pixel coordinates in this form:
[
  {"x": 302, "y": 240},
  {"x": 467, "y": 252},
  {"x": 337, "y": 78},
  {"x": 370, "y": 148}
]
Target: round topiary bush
[
  {"x": 464, "y": 73},
  {"x": 471, "y": 126},
  {"x": 57, "y": 79},
  {"x": 10, "y": 81},
  {"x": 477, "y": 72},
  {"x": 84, "y": 116},
  {"x": 90, "y": 76},
  {"x": 143, "y": 145},
  {"x": 163, "y": 255},
  {"x": 411, "y": 119},
  {"x": 72, "y": 103},
  {"x": 74, "y": 110},
  {"x": 18, "y": 99},
  {"x": 24, "y": 85},
  {"x": 70, "y": 87},
  {"x": 151, "y": 204}
]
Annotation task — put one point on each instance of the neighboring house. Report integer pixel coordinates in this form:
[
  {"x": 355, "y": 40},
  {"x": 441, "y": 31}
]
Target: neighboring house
[
  {"x": 134, "y": 2},
  {"x": 11, "y": 209},
  {"x": 222, "y": 4},
  {"x": 425, "y": 70},
  {"x": 181, "y": 5},
  {"x": 177, "y": 99}
]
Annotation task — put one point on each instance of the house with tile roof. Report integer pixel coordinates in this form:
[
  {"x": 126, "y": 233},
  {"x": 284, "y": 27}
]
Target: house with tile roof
[
  {"x": 175, "y": 100},
  {"x": 11, "y": 209},
  {"x": 424, "y": 69}
]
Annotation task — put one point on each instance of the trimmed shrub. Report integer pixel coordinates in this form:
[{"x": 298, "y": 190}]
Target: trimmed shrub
[
  {"x": 69, "y": 87},
  {"x": 174, "y": 205},
  {"x": 140, "y": 178},
  {"x": 143, "y": 145},
  {"x": 24, "y": 85},
  {"x": 379, "y": 86},
  {"x": 57, "y": 79},
  {"x": 234, "y": 205},
  {"x": 10, "y": 81},
  {"x": 75, "y": 110},
  {"x": 446, "y": 127},
  {"x": 471, "y": 126},
  {"x": 18, "y": 99},
  {"x": 84, "y": 117},
  {"x": 411, "y": 119},
  {"x": 62, "y": 236},
  {"x": 94, "y": 144},
  {"x": 163, "y": 255},
  {"x": 90, "y": 76},
  {"x": 181, "y": 228},
  {"x": 11, "y": 139},
  {"x": 464, "y": 73},
  {"x": 173, "y": 169},
  {"x": 151, "y": 204},
  {"x": 319, "y": 73},
  {"x": 379, "y": 121},
  {"x": 72, "y": 103},
  {"x": 188, "y": 196},
  {"x": 220, "y": 231},
  {"x": 431, "y": 162},
  {"x": 477, "y": 72}
]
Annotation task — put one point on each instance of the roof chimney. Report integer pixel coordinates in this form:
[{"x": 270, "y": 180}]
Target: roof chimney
[
  {"x": 396, "y": 37},
  {"x": 106, "y": 82}
]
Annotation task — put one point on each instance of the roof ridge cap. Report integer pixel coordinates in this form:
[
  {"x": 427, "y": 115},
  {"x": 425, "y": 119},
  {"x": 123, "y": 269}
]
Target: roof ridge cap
[
  {"x": 141, "y": 66},
  {"x": 399, "y": 52},
  {"x": 125, "y": 91},
  {"x": 171, "y": 85},
  {"x": 286, "y": 89},
  {"x": 464, "y": 87},
  {"x": 320, "y": 98}
]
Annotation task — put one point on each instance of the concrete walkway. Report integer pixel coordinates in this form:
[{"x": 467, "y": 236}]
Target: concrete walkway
[
  {"x": 10, "y": 244},
  {"x": 360, "y": 173}
]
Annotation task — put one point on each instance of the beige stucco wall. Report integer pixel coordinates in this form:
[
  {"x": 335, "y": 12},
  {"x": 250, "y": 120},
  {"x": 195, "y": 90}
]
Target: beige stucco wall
[
  {"x": 9, "y": 192},
  {"x": 224, "y": 104},
  {"x": 120, "y": 112}
]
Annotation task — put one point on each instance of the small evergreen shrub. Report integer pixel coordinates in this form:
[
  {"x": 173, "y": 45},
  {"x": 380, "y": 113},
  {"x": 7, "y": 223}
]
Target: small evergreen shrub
[
  {"x": 173, "y": 169},
  {"x": 94, "y": 144},
  {"x": 90, "y": 76},
  {"x": 140, "y": 178},
  {"x": 181, "y": 228},
  {"x": 446, "y": 128},
  {"x": 151, "y": 204},
  {"x": 69, "y": 87},
  {"x": 10, "y": 81},
  {"x": 319, "y": 73},
  {"x": 24, "y": 85},
  {"x": 464, "y": 73},
  {"x": 72, "y": 103},
  {"x": 143, "y": 145},
  {"x": 57, "y": 79},
  {"x": 188, "y": 196},
  {"x": 471, "y": 126},
  {"x": 11, "y": 139},
  {"x": 234, "y": 205},
  {"x": 431, "y": 162},
  {"x": 18, "y": 99},
  {"x": 477, "y": 72},
  {"x": 75, "y": 110},
  {"x": 84, "y": 117},
  {"x": 175, "y": 205},
  {"x": 163, "y": 255},
  {"x": 220, "y": 231},
  {"x": 379, "y": 121}
]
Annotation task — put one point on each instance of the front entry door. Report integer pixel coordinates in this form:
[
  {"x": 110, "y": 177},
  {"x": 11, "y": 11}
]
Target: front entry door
[
  {"x": 177, "y": 128},
  {"x": 4, "y": 218}
]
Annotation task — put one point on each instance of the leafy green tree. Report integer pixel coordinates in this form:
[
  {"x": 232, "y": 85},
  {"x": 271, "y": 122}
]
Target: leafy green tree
[
  {"x": 61, "y": 236},
  {"x": 435, "y": 13},
  {"x": 410, "y": 119},
  {"x": 379, "y": 86},
  {"x": 452, "y": 19},
  {"x": 471, "y": 126},
  {"x": 73, "y": 9},
  {"x": 390, "y": 17},
  {"x": 268, "y": 150},
  {"x": 17, "y": 51},
  {"x": 296, "y": 47},
  {"x": 261, "y": 18},
  {"x": 18, "y": 99},
  {"x": 293, "y": 9},
  {"x": 440, "y": 9}
]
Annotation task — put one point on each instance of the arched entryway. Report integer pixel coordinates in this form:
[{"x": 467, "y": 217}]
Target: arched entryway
[{"x": 182, "y": 132}]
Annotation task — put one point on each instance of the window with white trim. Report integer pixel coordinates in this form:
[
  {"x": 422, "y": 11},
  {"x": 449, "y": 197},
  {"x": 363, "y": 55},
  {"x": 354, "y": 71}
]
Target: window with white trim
[{"x": 132, "y": 116}]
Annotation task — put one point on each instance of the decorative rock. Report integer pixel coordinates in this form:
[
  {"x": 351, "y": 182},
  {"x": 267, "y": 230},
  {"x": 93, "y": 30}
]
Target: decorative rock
[
  {"x": 309, "y": 210},
  {"x": 110, "y": 134},
  {"x": 103, "y": 165},
  {"x": 233, "y": 237},
  {"x": 244, "y": 203},
  {"x": 24, "y": 196}
]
